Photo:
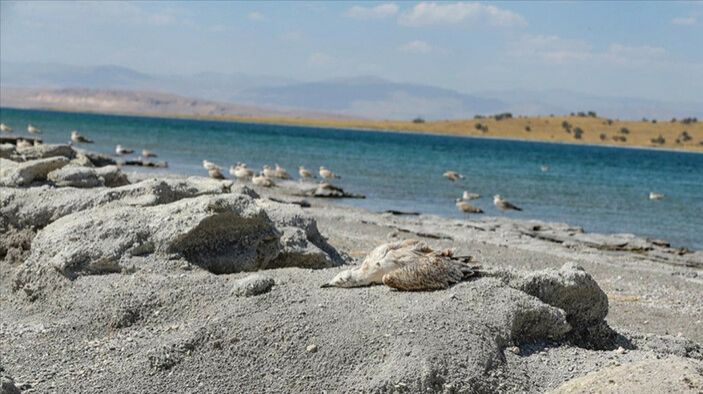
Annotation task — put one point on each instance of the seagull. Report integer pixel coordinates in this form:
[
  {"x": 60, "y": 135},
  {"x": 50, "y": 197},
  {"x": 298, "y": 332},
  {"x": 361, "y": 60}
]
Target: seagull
[
  {"x": 544, "y": 168},
  {"x": 470, "y": 196},
  {"x": 148, "y": 153},
  {"x": 327, "y": 174},
  {"x": 77, "y": 138},
  {"x": 281, "y": 172},
  {"x": 465, "y": 207},
  {"x": 120, "y": 150},
  {"x": 269, "y": 172},
  {"x": 304, "y": 173},
  {"x": 240, "y": 171},
  {"x": 453, "y": 176},
  {"x": 5, "y": 128},
  {"x": 215, "y": 172},
  {"x": 33, "y": 129},
  {"x": 262, "y": 180},
  {"x": 208, "y": 165},
  {"x": 655, "y": 196},
  {"x": 503, "y": 204}
]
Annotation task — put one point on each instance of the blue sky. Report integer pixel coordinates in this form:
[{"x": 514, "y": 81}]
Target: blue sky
[{"x": 638, "y": 49}]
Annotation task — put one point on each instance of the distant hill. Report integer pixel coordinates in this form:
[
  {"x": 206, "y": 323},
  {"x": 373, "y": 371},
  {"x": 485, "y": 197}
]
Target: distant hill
[
  {"x": 364, "y": 97},
  {"x": 135, "y": 102}
]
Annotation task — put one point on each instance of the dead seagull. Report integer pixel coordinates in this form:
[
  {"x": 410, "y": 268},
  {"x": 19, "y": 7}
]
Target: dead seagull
[
  {"x": 465, "y": 207},
  {"x": 470, "y": 196},
  {"x": 304, "y": 173},
  {"x": 79, "y": 139},
  {"x": 327, "y": 174},
  {"x": 504, "y": 204},
  {"x": 148, "y": 153},
  {"x": 406, "y": 265},
  {"x": 33, "y": 129},
  {"x": 121, "y": 150},
  {"x": 655, "y": 196},
  {"x": 453, "y": 176},
  {"x": 5, "y": 128}
]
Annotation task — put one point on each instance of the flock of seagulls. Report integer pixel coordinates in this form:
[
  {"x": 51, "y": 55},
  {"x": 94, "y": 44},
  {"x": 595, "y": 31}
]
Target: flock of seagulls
[
  {"x": 76, "y": 138},
  {"x": 267, "y": 175}
]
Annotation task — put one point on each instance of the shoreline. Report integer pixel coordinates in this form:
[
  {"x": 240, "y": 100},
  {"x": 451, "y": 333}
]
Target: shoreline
[
  {"x": 177, "y": 300},
  {"x": 318, "y": 123}
]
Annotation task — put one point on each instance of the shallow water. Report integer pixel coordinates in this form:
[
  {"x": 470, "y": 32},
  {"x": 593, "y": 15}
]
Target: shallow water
[{"x": 601, "y": 189}]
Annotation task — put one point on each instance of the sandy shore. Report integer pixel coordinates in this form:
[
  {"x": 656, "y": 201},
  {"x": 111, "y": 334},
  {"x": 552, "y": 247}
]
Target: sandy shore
[{"x": 114, "y": 282}]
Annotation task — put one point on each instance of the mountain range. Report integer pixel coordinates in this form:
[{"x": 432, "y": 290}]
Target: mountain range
[{"x": 363, "y": 97}]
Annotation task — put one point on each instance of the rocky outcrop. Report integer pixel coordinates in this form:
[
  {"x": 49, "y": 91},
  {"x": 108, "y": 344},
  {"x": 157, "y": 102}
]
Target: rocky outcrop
[
  {"x": 43, "y": 151},
  {"x": 24, "y": 174},
  {"x": 87, "y": 177}
]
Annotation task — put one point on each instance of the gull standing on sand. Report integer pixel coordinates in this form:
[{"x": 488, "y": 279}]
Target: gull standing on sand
[
  {"x": 304, "y": 173},
  {"x": 240, "y": 171},
  {"x": 470, "y": 196},
  {"x": 465, "y": 207},
  {"x": 262, "y": 180},
  {"x": 327, "y": 174},
  {"x": 121, "y": 150},
  {"x": 148, "y": 153},
  {"x": 406, "y": 265},
  {"x": 5, "y": 128},
  {"x": 453, "y": 176},
  {"x": 33, "y": 129},
  {"x": 281, "y": 172},
  {"x": 504, "y": 204},
  {"x": 79, "y": 139},
  {"x": 655, "y": 196}
]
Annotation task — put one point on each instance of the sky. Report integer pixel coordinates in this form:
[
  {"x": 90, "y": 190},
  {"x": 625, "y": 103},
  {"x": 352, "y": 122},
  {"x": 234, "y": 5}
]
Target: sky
[{"x": 626, "y": 49}]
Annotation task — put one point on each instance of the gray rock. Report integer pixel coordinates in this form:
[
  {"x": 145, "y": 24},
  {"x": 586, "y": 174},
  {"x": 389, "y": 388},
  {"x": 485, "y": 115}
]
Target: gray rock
[
  {"x": 39, "y": 206},
  {"x": 82, "y": 160},
  {"x": 74, "y": 176},
  {"x": 252, "y": 285},
  {"x": 571, "y": 289},
  {"x": 7, "y": 151},
  {"x": 24, "y": 174},
  {"x": 7, "y": 385},
  {"x": 111, "y": 176},
  {"x": 222, "y": 234},
  {"x": 98, "y": 159},
  {"x": 42, "y": 151}
]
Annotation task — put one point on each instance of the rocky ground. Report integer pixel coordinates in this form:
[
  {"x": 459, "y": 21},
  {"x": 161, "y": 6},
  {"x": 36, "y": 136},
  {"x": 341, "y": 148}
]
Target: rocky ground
[{"x": 114, "y": 282}]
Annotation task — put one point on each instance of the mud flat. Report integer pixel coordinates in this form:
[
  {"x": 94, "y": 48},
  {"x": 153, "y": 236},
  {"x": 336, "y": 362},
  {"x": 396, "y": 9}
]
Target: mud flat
[{"x": 123, "y": 282}]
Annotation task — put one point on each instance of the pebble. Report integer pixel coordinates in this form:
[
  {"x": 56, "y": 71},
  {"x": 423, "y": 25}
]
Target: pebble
[
  {"x": 514, "y": 350},
  {"x": 620, "y": 350},
  {"x": 311, "y": 348}
]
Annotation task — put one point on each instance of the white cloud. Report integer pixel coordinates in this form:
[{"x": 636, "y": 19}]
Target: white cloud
[
  {"x": 685, "y": 21},
  {"x": 378, "y": 12},
  {"x": 428, "y": 13},
  {"x": 554, "y": 50},
  {"x": 416, "y": 46},
  {"x": 320, "y": 59},
  {"x": 256, "y": 16}
]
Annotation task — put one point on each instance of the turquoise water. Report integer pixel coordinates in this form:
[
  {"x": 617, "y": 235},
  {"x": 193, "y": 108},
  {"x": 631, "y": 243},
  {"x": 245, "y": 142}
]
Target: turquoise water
[{"x": 601, "y": 189}]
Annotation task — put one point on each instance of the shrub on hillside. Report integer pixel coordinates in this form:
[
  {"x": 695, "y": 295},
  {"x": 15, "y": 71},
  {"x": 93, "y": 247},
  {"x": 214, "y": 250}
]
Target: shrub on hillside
[
  {"x": 659, "y": 140},
  {"x": 418, "y": 120},
  {"x": 624, "y": 130}
]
